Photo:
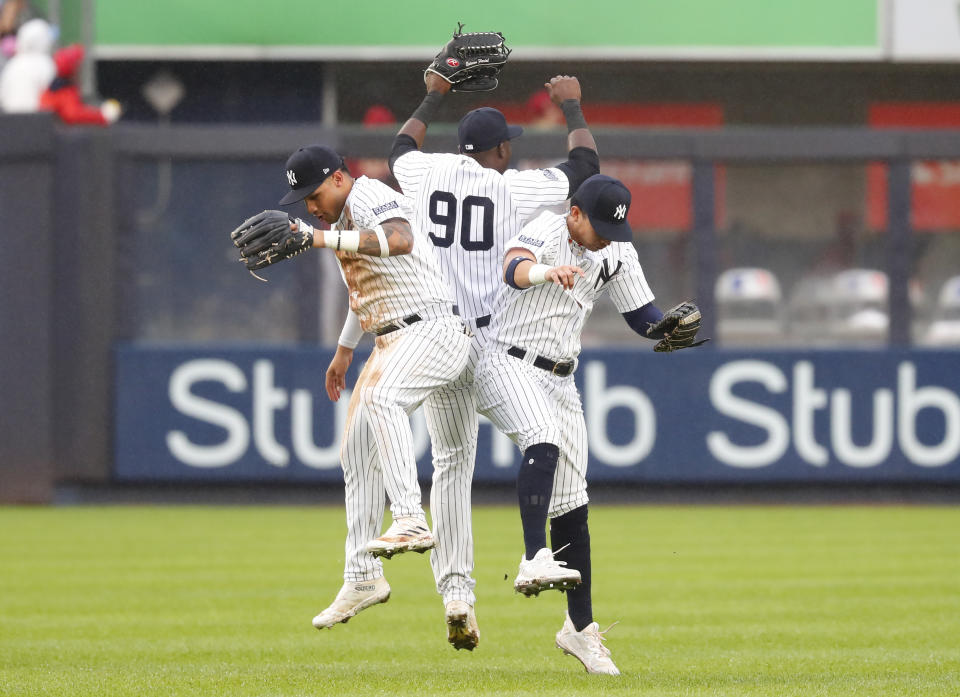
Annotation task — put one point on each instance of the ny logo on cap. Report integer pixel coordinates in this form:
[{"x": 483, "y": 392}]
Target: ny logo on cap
[
  {"x": 621, "y": 212},
  {"x": 291, "y": 177}
]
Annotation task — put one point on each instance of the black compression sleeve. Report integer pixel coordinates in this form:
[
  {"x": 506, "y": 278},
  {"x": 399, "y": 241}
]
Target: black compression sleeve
[
  {"x": 428, "y": 107},
  {"x": 581, "y": 164},
  {"x": 402, "y": 144},
  {"x": 641, "y": 319},
  {"x": 573, "y": 114}
]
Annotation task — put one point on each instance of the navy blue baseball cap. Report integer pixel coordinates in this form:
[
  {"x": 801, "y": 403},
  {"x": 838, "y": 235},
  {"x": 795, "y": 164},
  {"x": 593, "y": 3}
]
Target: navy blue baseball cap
[
  {"x": 307, "y": 169},
  {"x": 483, "y": 129},
  {"x": 606, "y": 201}
]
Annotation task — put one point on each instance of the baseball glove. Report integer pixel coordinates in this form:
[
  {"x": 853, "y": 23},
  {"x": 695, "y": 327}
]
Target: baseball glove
[
  {"x": 471, "y": 62},
  {"x": 679, "y": 325},
  {"x": 269, "y": 237}
]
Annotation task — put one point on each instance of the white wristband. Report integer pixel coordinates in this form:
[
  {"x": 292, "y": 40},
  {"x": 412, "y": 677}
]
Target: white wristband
[
  {"x": 352, "y": 331},
  {"x": 538, "y": 274},
  {"x": 382, "y": 239},
  {"x": 342, "y": 240}
]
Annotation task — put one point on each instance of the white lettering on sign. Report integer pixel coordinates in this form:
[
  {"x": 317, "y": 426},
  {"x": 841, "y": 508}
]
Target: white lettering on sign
[
  {"x": 892, "y": 412},
  {"x": 741, "y": 409},
  {"x": 232, "y": 421},
  {"x": 600, "y": 401},
  {"x": 266, "y": 401}
]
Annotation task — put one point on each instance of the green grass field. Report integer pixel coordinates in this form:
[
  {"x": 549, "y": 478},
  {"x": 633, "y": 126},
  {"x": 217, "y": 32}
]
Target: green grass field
[{"x": 711, "y": 601}]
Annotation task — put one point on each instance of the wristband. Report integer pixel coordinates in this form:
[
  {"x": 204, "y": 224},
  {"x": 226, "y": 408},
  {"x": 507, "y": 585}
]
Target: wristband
[
  {"x": 538, "y": 274},
  {"x": 342, "y": 240},
  {"x": 382, "y": 239},
  {"x": 428, "y": 108},
  {"x": 573, "y": 114},
  {"x": 352, "y": 331}
]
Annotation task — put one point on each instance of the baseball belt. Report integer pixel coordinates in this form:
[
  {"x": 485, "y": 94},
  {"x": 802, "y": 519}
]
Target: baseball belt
[
  {"x": 410, "y": 319},
  {"x": 481, "y": 322},
  {"x": 561, "y": 368}
]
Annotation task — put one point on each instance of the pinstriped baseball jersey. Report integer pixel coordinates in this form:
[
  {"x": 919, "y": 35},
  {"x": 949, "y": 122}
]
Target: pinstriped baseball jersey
[
  {"x": 548, "y": 320},
  {"x": 470, "y": 211},
  {"x": 383, "y": 290}
]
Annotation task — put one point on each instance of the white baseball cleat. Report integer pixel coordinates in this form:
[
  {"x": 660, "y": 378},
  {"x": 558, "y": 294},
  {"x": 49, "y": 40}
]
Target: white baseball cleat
[
  {"x": 352, "y": 598},
  {"x": 587, "y": 647},
  {"x": 462, "y": 629},
  {"x": 406, "y": 534},
  {"x": 542, "y": 573}
]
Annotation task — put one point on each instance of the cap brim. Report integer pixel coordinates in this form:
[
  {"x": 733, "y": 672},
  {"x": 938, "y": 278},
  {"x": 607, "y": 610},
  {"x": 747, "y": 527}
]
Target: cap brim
[
  {"x": 620, "y": 232},
  {"x": 513, "y": 132},
  {"x": 297, "y": 194}
]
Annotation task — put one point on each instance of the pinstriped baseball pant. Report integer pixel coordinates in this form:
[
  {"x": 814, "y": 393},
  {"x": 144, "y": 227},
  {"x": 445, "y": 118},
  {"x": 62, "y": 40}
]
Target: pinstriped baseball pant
[
  {"x": 451, "y": 415},
  {"x": 377, "y": 452},
  {"x": 530, "y": 405}
]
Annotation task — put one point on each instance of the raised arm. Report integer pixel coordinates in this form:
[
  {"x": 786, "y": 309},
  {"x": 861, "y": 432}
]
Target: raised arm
[
  {"x": 412, "y": 133},
  {"x": 583, "y": 160}
]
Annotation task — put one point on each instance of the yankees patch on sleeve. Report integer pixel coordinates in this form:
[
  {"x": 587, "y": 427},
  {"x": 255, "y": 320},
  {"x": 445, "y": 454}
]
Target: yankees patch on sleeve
[
  {"x": 374, "y": 202},
  {"x": 542, "y": 237}
]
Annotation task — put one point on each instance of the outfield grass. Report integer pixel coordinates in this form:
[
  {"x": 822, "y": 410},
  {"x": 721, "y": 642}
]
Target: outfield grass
[{"x": 711, "y": 601}]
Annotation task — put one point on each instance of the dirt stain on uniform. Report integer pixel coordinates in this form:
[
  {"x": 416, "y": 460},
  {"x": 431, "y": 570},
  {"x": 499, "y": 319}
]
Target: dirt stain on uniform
[
  {"x": 369, "y": 376},
  {"x": 362, "y": 279}
]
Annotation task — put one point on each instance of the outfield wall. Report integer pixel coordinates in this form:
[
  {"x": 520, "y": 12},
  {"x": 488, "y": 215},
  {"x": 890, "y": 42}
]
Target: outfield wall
[
  {"x": 126, "y": 229},
  {"x": 251, "y": 414}
]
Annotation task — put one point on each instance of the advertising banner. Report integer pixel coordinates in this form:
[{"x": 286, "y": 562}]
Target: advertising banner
[
  {"x": 248, "y": 414},
  {"x": 611, "y": 29}
]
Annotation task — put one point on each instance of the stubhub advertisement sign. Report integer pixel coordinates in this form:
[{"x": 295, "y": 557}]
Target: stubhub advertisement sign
[{"x": 250, "y": 414}]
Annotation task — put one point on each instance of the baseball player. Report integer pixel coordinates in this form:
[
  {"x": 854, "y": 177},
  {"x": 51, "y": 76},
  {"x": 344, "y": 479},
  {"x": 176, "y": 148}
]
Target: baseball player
[
  {"x": 396, "y": 292},
  {"x": 470, "y": 204},
  {"x": 554, "y": 272}
]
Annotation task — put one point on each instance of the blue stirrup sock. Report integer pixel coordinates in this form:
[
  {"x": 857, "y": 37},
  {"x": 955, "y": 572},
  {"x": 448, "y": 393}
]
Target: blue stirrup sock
[
  {"x": 534, "y": 485},
  {"x": 572, "y": 529}
]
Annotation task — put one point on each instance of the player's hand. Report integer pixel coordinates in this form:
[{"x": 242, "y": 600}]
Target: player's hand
[
  {"x": 564, "y": 276},
  {"x": 336, "y": 372},
  {"x": 435, "y": 83},
  {"x": 563, "y": 87}
]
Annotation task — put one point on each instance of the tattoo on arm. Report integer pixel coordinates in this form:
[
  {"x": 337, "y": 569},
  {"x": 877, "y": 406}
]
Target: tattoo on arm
[{"x": 399, "y": 238}]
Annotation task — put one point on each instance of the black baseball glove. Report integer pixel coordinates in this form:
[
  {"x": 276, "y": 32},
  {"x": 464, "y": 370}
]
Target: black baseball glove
[
  {"x": 269, "y": 237},
  {"x": 679, "y": 327},
  {"x": 471, "y": 62}
]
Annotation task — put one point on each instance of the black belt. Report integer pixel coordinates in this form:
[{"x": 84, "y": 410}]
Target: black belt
[
  {"x": 408, "y": 320},
  {"x": 561, "y": 369}
]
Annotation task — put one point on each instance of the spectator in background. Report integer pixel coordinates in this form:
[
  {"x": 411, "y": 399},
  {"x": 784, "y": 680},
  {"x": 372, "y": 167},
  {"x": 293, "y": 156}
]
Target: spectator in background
[
  {"x": 63, "y": 95},
  {"x": 842, "y": 251},
  {"x": 543, "y": 113},
  {"x": 29, "y": 73},
  {"x": 377, "y": 116},
  {"x": 13, "y": 15}
]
